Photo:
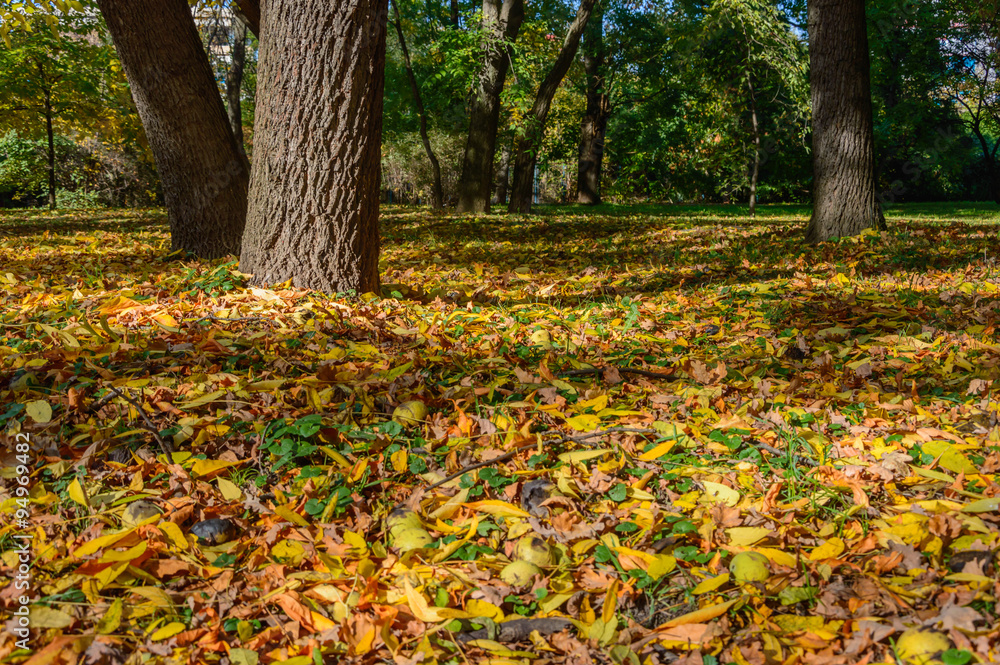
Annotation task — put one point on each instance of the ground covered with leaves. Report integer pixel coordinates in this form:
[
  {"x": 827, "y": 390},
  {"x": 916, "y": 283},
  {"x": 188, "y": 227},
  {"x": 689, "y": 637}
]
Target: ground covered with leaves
[{"x": 549, "y": 439}]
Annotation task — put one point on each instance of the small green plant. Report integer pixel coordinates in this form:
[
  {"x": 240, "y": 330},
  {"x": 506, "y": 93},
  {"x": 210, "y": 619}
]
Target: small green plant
[{"x": 291, "y": 441}]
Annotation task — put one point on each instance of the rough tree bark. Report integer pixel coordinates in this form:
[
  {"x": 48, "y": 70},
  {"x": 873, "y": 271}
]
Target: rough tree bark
[
  {"x": 594, "y": 126},
  {"x": 503, "y": 178},
  {"x": 437, "y": 196},
  {"x": 234, "y": 81},
  {"x": 316, "y": 176},
  {"x": 527, "y": 146},
  {"x": 844, "y": 197},
  {"x": 203, "y": 173},
  {"x": 501, "y": 21}
]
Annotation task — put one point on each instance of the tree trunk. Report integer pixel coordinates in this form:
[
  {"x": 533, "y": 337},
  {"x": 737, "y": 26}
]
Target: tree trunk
[
  {"x": 503, "y": 178},
  {"x": 249, "y": 11},
  {"x": 203, "y": 173},
  {"x": 594, "y": 126},
  {"x": 502, "y": 21},
  {"x": 844, "y": 197},
  {"x": 437, "y": 197},
  {"x": 755, "y": 127},
  {"x": 454, "y": 14},
  {"x": 234, "y": 81},
  {"x": 52, "y": 150},
  {"x": 316, "y": 177},
  {"x": 527, "y": 146}
]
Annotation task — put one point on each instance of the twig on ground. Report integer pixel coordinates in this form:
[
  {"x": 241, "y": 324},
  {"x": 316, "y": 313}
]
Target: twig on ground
[
  {"x": 783, "y": 453},
  {"x": 578, "y": 438},
  {"x": 242, "y": 319},
  {"x": 621, "y": 370},
  {"x": 150, "y": 427}
]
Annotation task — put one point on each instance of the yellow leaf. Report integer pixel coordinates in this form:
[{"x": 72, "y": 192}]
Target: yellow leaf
[
  {"x": 777, "y": 556},
  {"x": 75, "y": 491},
  {"x": 229, "y": 490},
  {"x": 198, "y": 401},
  {"x": 831, "y": 549},
  {"x": 662, "y": 565},
  {"x": 399, "y": 460},
  {"x": 494, "y": 507},
  {"x": 949, "y": 457},
  {"x": 206, "y": 467},
  {"x": 174, "y": 534},
  {"x": 110, "y": 574},
  {"x": 39, "y": 411},
  {"x": 41, "y": 616},
  {"x": 168, "y": 631},
  {"x": 658, "y": 451},
  {"x": 96, "y": 544},
  {"x": 130, "y": 554},
  {"x": 419, "y": 606},
  {"x": 710, "y": 584},
  {"x": 166, "y": 322},
  {"x": 582, "y": 455},
  {"x": 111, "y": 619},
  {"x": 983, "y": 506},
  {"x": 290, "y": 515},
  {"x": 721, "y": 493},
  {"x": 584, "y": 423},
  {"x": 702, "y": 615},
  {"x": 743, "y": 536}
]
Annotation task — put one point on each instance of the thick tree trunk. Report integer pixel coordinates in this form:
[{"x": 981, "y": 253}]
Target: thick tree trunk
[
  {"x": 234, "y": 81},
  {"x": 315, "y": 183},
  {"x": 52, "y": 151},
  {"x": 437, "y": 196},
  {"x": 203, "y": 172},
  {"x": 502, "y": 21},
  {"x": 594, "y": 126},
  {"x": 844, "y": 197},
  {"x": 249, "y": 11},
  {"x": 527, "y": 146},
  {"x": 503, "y": 178},
  {"x": 755, "y": 128}
]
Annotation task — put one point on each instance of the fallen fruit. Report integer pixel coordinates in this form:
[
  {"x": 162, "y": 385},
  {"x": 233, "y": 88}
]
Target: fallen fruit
[
  {"x": 749, "y": 567},
  {"x": 535, "y": 550},
  {"x": 411, "y": 538},
  {"x": 918, "y": 646},
  {"x": 519, "y": 573},
  {"x": 214, "y": 532},
  {"x": 138, "y": 512},
  {"x": 410, "y": 413}
]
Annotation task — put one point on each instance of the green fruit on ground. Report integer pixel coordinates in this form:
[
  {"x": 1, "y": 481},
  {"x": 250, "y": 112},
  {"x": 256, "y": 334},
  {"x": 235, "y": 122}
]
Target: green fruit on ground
[
  {"x": 919, "y": 646},
  {"x": 138, "y": 512},
  {"x": 519, "y": 573},
  {"x": 402, "y": 518},
  {"x": 413, "y": 412},
  {"x": 749, "y": 567},
  {"x": 535, "y": 550}
]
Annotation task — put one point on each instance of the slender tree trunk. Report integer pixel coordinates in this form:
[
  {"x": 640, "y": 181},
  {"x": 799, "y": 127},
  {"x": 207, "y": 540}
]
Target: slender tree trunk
[
  {"x": 316, "y": 177},
  {"x": 454, "y": 14},
  {"x": 437, "y": 198},
  {"x": 594, "y": 126},
  {"x": 503, "y": 178},
  {"x": 755, "y": 128},
  {"x": 527, "y": 146},
  {"x": 234, "y": 81},
  {"x": 844, "y": 197},
  {"x": 502, "y": 21},
  {"x": 203, "y": 172},
  {"x": 52, "y": 150}
]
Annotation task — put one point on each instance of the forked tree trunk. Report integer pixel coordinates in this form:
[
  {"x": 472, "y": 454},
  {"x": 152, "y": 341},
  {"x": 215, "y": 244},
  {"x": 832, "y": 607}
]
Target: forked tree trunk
[
  {"x": 315, "y": 182},
  {"x": 501, "y": 22},
  {"x": 234, "y": 81},
  {"x": 437, "y": 195},
  {"x": 844, "y": 197},
  {"x": 201, "y": 168},
  {"x": 527, "y": 146},
  {"x": 249, "y": 11}
]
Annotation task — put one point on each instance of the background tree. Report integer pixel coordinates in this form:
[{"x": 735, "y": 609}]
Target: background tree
[
  {"x": 201, "y": 166},
  {"x": 594, "y": 126},
  {"x": 527, "y": 145},
  {"x": 501, "y": 22},
  {"x": 314, "y": 193},
  {"x": 844, "y": 196}
]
